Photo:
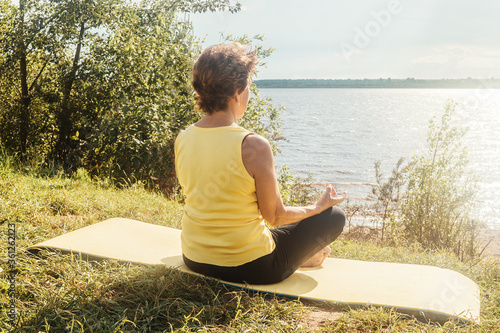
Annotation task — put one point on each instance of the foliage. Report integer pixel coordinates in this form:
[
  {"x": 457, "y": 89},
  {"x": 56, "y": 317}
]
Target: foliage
[
  {"x": 296, "y": 191},
  {"x": 435, "y": 207},
  {"x": 98, "y": 84},
  {"x": 442, "y": 190},
  {"x": 138, "y": 79},
  {"x": 105, "y": 85},
  {"x": 388, "y": 195}
]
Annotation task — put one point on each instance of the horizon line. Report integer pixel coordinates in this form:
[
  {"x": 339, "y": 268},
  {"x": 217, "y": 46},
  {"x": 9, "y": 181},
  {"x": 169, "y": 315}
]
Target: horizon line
[{"x": 411, "y": 78}]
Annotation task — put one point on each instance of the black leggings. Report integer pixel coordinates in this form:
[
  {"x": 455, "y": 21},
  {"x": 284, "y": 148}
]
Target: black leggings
[{"x": 295, "y": 244}]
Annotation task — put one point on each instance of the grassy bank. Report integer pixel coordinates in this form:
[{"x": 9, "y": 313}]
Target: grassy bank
[{"x": 64, "y": 294}]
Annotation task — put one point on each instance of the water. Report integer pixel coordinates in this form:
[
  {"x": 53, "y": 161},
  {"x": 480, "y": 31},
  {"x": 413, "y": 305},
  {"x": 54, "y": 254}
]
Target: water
[{"x": 338, "y": 134}]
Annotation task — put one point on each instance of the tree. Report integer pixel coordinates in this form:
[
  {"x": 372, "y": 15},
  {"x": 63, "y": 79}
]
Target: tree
[
  {"x": 9, "y": 124},
  {"x": 44, "y": 44},
  {"x": 137, "y": 86},
  {"x": 105, "y": 85}
]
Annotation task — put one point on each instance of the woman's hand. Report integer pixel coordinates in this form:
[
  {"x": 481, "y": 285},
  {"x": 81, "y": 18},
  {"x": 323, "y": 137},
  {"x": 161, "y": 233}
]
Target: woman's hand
[{"x": 329, "y": 198}]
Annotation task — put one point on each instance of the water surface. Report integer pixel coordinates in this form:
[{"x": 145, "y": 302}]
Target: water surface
[{"x": 338, "y": 134}]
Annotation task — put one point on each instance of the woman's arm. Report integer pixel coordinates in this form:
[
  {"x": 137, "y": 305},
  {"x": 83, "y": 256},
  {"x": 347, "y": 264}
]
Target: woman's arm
[{"x": 259, "y": 161}]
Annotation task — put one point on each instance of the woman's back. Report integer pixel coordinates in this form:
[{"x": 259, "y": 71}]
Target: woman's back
[{"x": 221, "y": 214}]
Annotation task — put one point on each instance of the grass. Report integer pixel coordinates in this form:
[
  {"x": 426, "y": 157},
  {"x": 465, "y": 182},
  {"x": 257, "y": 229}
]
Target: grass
[{"x": 65, "y": 294}]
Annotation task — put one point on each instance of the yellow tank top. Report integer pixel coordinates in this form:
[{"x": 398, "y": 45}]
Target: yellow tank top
[{"x": 221, "y": 224}]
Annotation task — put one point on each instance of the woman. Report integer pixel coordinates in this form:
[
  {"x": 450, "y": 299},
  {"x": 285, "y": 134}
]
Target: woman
[{"x": 228, "y": 177}]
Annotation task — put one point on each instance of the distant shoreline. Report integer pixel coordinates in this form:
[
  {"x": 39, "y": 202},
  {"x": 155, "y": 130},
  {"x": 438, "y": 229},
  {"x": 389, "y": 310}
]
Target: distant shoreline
[{"x": 409, "y": 83}]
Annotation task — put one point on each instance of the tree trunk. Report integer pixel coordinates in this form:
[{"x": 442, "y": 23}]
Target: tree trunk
[
  {"x": 24, "y": 114},
  {"x": 65, "y": 122}
]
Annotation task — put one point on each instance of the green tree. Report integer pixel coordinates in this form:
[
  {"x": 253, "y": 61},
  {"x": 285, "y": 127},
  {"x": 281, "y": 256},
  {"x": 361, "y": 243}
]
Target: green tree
[
  {"x": 40, "y": 45},
  {"x": 137, "y": 82},
  {"x": 44, "y": 43},
  {"x": 105, "y": 84},
  {"x": 46, "y": 56},
  {"x": 151, "y": 49},
  {"x": 137, "y": 88},
  {"x": 9, "y": 122}
]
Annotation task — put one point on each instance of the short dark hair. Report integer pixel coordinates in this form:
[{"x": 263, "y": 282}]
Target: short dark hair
[{"x": 220, "y": 72}]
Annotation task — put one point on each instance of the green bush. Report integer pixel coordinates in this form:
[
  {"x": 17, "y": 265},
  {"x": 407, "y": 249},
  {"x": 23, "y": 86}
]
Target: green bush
[
  {"x": 388, "y": 198},
  {"x": 441, "y": 193},
  {"x": 431, "y": 200}
]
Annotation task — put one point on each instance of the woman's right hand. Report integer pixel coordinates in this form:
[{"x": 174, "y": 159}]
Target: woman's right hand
[{"x": 329, "y": 198}]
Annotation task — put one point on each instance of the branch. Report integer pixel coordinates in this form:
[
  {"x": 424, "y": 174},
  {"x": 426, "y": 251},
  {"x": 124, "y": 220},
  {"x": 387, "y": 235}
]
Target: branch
[
  {"x": 39, "y": 74},
  {"x": 35, "y": 32},
  {"x": 171, "y": 7}
]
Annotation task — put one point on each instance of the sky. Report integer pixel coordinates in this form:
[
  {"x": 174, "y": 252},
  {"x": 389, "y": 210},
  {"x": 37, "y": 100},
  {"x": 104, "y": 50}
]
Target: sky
[{"x": 341, "y": 39}]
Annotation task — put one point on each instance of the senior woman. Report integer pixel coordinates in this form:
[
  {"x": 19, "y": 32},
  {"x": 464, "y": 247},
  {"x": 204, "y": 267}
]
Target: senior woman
[{"x": 228, "y": 177}]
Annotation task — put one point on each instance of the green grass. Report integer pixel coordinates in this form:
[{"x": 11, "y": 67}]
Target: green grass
[{"x": 65, "y": 294}]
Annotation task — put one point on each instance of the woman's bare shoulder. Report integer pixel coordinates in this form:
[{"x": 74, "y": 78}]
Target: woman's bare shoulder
[
  {"x": 256, "y": 140},
  {"x": 257, "y": 153},
  {"x": 256, "y": 144}
]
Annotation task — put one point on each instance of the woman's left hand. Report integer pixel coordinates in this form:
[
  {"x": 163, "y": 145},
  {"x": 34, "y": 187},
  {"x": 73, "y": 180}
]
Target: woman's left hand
[{"x": 329, "y": 198}]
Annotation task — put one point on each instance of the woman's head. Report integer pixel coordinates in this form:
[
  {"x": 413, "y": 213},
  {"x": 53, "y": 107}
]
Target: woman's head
[{"x": 221, "y": 72}]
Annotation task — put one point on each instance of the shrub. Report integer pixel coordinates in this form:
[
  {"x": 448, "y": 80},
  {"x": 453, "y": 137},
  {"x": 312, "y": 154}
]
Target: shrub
[
  {"x": 386, "y": 208},
  {"x": 430, "y": 201},
  {"x": 441, "y": 192}
]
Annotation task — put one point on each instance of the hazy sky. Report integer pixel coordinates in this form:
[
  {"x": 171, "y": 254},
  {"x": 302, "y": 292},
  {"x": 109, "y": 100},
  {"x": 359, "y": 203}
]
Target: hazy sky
[{"x": 367, "y": 38}]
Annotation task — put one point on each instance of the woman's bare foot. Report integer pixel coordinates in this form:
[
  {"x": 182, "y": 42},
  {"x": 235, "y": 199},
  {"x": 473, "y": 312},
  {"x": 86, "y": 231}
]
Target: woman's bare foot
[{"x": 318, "y": 258}]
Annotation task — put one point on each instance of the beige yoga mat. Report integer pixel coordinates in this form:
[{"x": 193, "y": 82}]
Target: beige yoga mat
[{"x": 428, "y": 292}]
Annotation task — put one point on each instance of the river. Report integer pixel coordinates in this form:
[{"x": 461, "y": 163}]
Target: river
[{"x": 338, "y": 134}]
